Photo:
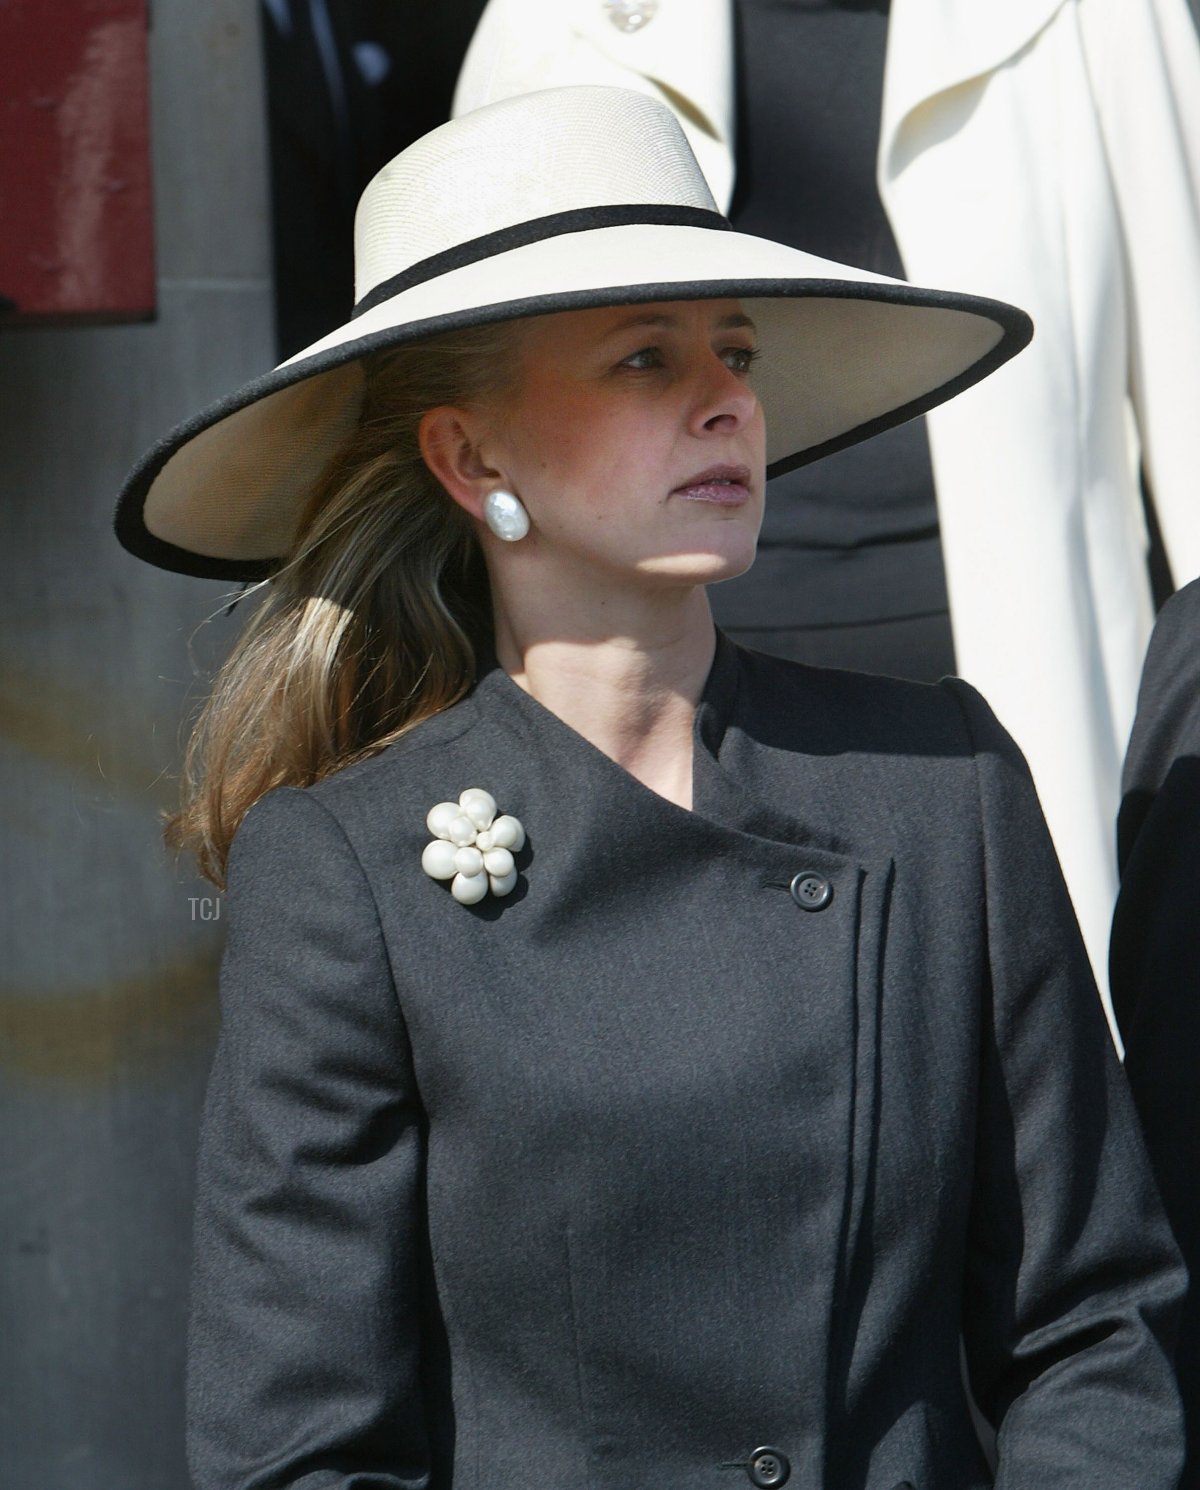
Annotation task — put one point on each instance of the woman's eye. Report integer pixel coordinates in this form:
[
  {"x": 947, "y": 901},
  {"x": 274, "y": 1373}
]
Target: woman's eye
[
  {"x": 647, "y": 359},
  {"x": 644, "y": 359},
  {"x": 741, "y": 359}
]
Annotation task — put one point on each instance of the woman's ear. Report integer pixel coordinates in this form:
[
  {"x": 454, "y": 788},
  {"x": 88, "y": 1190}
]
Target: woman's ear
[{"x": 448, "y": 439}]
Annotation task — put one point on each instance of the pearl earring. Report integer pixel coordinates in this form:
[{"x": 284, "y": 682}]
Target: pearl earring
[{"x": 505, "y": 515}]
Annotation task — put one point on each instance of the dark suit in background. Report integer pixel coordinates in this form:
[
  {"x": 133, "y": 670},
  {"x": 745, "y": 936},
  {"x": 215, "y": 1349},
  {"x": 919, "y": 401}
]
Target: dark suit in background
[
  {"x": 350, "y": 83},
  {"x": 1155, "y": 960}
]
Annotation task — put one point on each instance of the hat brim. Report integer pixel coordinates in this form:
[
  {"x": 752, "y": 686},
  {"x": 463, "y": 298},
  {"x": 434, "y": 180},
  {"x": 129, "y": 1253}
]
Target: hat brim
[{"x": 845, "y": 355}]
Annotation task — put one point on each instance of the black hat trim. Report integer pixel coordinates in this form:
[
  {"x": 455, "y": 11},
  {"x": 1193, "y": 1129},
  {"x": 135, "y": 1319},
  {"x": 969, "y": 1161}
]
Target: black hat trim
[
  {"x": 1015, "y": 327},
  {"x": 535, "y": 230}
]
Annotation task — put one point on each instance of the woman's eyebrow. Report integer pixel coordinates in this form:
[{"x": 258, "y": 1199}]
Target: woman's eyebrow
[{"x": 726, "y": 323}]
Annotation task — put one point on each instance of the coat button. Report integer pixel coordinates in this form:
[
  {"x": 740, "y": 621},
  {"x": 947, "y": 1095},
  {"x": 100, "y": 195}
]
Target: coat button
[
  {"x": 768, "y": 1467},
  {"x": 811, "y": 891},
  {"x": 630, "y": 15}
]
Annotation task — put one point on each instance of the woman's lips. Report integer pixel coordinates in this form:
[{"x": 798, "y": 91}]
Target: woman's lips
[{"x": 723, "y": 486}]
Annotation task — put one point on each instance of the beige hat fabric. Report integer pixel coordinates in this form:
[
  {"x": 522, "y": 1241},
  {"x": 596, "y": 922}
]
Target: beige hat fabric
[{"x": 560, "y": 200}]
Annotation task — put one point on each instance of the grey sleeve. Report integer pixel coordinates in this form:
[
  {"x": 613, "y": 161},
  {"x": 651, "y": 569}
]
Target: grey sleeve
[
  {"x": 304, "y": 1351},
  {"x": 1073, "y": 1281}
]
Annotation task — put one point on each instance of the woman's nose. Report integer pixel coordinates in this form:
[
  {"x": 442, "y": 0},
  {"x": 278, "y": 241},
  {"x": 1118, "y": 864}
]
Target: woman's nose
[{"x": 726, "y": 400}]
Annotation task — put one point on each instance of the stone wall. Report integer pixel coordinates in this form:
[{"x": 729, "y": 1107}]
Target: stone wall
[{"x": 107, "y": 994}]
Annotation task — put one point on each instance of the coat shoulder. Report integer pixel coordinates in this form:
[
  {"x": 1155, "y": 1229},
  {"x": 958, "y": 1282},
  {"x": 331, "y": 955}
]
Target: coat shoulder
[
  {"x": 1167, "y": 723},
  {"x": 860, "y": 713},
  {"x": 403, "y": 779},
  {"x": 413, "y": 759}
]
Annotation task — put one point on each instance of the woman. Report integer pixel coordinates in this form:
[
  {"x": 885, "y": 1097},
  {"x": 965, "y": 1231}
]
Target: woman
[{"x": 646, "y": 1068}]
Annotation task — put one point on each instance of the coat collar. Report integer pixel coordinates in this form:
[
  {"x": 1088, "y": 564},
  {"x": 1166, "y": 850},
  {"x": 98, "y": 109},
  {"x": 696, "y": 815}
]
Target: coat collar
[
  {"x": 747, "y": 765},
  {"x": 717, "y": 702},
  {"x": 685, "y": 50},
  {"x": 936, "y": 45},
  {"x": 685, "y": 53},
  {"x": 682, "y": 54},
  {"x": 713, "y": 712}
]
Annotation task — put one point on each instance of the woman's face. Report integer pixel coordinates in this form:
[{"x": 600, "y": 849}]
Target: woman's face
[{"x": 635, "y": 440}]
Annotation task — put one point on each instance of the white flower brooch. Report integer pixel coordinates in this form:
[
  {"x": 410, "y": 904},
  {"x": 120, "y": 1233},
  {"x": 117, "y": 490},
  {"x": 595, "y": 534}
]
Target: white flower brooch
[{"x": 472, "y": 847}]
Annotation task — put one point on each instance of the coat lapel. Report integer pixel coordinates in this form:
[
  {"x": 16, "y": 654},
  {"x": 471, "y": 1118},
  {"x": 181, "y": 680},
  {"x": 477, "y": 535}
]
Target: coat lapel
[
  {"x": 936, "y": 45},
  {"x": 686, "y": 51},
  {"x": 682, "y": 54},
  {"x": 686, "y": 48}
]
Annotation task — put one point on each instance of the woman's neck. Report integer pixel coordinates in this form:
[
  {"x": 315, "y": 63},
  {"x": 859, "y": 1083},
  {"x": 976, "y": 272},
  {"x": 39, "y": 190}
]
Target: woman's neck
[{"x": 629, "y": 689}]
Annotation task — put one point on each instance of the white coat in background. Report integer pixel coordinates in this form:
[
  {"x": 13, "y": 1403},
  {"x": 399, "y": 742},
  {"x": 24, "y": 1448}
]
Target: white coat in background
[{"x": 1046, "y": 152}]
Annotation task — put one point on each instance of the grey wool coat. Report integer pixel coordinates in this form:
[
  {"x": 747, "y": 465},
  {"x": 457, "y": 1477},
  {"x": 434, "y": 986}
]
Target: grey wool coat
[{"x": 659, "y": 1174}]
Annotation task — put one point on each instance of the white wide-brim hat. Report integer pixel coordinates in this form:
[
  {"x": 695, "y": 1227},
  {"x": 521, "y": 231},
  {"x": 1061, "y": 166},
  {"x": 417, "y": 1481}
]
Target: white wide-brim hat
[{"x": 559, "y": 200}]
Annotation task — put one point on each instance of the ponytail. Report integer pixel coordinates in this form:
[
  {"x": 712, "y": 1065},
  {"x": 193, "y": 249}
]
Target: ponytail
[{"x": 375, "y": 620}]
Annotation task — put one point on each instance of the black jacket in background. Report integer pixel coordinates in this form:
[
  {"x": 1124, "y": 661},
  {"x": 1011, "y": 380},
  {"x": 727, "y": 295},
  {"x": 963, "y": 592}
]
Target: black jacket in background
[{"x": 1155, "y": 956}]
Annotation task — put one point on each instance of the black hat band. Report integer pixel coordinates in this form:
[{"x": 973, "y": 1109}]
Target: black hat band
[{"x": 578, "y": 220}]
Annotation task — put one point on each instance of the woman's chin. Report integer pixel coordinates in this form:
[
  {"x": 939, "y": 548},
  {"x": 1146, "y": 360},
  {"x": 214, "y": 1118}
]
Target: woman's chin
[{"x": 707, "y": 566}]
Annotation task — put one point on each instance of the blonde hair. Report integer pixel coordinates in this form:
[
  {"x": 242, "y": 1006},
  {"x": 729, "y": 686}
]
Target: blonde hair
[{"x": 374, "y": 621}]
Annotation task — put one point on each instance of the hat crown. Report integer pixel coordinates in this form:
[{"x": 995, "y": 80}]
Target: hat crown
[{"x": 523, "y": 158}]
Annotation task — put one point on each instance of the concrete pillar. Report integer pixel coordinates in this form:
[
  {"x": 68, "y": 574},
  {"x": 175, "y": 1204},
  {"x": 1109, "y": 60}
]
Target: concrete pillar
[{"x": 107, "y": 994}]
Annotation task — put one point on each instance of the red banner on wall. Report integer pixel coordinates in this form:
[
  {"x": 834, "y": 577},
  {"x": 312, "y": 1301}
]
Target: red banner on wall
[{"x": 76, "y": 228}]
